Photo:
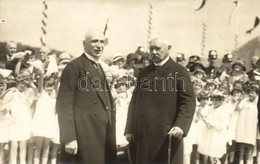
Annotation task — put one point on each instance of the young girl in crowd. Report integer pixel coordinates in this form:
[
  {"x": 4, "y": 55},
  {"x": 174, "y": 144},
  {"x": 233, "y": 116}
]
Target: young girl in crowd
[
  {"x": 19, "y": 103},
  {"x": 247, "y": 125},
  {"x": 214, "y": 139},
  {"x": 44, "y": 121},
  {"x": 122, "y": 101},
  {"x": 55, "y": 142},
  {"x": 4, "y": 120},
  {"x": 238, "y": 72},
  {"x": 191, "y": 140},
  {"x": 236, "y": 96}
]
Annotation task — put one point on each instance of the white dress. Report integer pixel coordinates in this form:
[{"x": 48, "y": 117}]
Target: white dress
[
  {"x": 192, "y": 135},
  {"x": 232, "y": 127},
  {"x": 215, "y": 138},
  {"x": 247, "y": 122},
  {"x": 202, "y": 113},
  {"x": 4, "y": 122},
  {"x": 20, "y": 114},
  {"x": 122, "y": 103},
  {"x": 44, "y": 118}
]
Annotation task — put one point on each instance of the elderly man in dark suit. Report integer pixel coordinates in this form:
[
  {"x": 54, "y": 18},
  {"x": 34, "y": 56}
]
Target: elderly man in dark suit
[
  {"x": 162, "y": 104},
  {"x": 86, "y": 112}
]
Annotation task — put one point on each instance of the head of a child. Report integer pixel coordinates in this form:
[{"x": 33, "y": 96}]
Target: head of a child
[
  {"x": 210, "y": 86},
  {"x": 252, "y": 92},
  {"x": 48, "y": 85},
  {"x": 199, "y": 73},
  {"x": 239, "y": 66},
  {"x": 203, "y": 98},
  {"x": 217, "y": 98},
  {"x": 109, "y": 77},
  {"x": 224, "y": 87},
  {"x": 197, "y": 85},
  {"x": 237, "y": 93},
  {"x": 120, "y": 86},
  {"x": 23, "y": 80}
]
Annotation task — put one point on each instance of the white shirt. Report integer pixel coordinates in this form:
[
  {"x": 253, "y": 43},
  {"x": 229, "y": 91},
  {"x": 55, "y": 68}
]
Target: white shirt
[
  {"x": 162, "y": 62},
  {"x": 92, "y": 58}
]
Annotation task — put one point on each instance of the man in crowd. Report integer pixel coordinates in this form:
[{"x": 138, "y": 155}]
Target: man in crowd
[
  {"x": 5, "y": 59},
  {"x": 212, "y": 69},
  {"x": 85, "y": 108},
  {"x": 161, "y": 108}
]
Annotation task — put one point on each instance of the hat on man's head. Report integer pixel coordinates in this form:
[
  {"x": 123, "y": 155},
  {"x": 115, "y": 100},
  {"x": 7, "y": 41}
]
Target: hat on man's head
[
  {"x": 132, "y": 56},
  {"x": 240, "y": 62},
  {"x": 193, "y": 58},
  {"x": 227, "y": 58},
  {"x": 118, "y": 57},
  {"x": 198, "y": 70},
  {"x": 213, "y": 54},
  {"x": 180, "y": 57}
]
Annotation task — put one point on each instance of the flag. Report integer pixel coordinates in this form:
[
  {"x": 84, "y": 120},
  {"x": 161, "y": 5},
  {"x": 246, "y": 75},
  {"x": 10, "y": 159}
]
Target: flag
[
  {"x": 198, "y": 4},
  {"x": 5, "y": 72},
  {"x": 105, "y": 33},
  {"x": 255, "y": 25},
  {"x": 52, "y": 66},
  {"x": 230, "y": 16}
]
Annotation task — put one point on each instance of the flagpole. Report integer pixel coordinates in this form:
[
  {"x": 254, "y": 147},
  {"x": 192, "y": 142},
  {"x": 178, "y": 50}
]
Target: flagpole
[
  {"x": 150, "y": 24},
  {"x": 44, "y": 24},
  {"x": 236, "y": 39},
  {"x": 204, "y": 30}
]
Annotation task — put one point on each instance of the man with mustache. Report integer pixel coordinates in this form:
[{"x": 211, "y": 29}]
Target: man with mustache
[
  {"x": 86, "y": 111},
  {"x": 161, "y": 106}
]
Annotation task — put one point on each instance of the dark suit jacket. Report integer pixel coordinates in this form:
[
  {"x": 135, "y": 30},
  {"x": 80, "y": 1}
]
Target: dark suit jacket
[
  {"x": 258, "y": 107},
  {"x": 7, "y": 64},
  {"x": 163, "y": 98},
  {"x": 86, "y": 113}
]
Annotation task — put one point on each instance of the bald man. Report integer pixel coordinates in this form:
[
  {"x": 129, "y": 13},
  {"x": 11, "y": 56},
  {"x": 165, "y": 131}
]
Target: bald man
[
  {"x": 162, "y": 105},
  {"x": 86, "y": 111},
  {"x": 5, "y": 59}
]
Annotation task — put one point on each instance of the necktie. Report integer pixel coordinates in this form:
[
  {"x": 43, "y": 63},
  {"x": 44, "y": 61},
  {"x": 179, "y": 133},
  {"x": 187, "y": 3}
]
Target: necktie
[{"x": 99, "y": 68}]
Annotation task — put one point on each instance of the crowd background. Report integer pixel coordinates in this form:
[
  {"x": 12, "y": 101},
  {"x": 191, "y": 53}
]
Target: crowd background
[{"x": 224, "y": 125}]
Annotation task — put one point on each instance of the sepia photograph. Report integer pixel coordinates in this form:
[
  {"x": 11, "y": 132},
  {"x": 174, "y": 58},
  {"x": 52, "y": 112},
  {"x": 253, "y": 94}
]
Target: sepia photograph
[{"x": 129, "y": 81}]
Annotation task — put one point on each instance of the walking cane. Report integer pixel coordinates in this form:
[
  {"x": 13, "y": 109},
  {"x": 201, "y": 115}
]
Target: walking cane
[{"x": 169, "y": 149}]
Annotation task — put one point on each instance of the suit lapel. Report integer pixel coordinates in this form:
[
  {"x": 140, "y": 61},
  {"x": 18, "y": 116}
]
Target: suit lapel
[{"x": 91, "y": 74}]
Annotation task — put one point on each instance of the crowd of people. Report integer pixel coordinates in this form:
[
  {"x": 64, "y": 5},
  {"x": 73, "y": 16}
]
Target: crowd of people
[{"x": 225, "y": 119}]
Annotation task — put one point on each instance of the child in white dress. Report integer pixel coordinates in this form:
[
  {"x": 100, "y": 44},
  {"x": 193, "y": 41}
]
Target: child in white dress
[
  {"x": 214, "y": 134},
  {"x": 4, "y": 120},
  {"x": 19, "y": 103},
  {"x": 122, "y": 101},
  {"x": 44, "y": 121},
  {"x": 191, "y": 140},
  {"x": 247, "y": 125},
  {"x": 236, "y": 96}
]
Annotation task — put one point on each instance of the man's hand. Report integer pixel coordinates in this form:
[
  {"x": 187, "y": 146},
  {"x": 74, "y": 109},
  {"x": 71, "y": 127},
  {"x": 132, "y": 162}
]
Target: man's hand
[
  {"x": 176, "y": 132},
  {"x": 129, "y": 136},
  {"x": 71, "y": 147}
]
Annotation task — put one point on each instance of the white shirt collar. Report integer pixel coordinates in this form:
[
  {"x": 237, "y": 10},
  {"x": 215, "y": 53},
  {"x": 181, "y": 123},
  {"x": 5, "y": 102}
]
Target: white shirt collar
[
  {"x": 91, "y": 58},
  {"x": 162, "y": 62}
]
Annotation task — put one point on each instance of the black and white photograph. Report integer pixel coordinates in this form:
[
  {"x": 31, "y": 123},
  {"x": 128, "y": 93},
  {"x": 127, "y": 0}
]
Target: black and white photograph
[{"x": 129, "y": 81}]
